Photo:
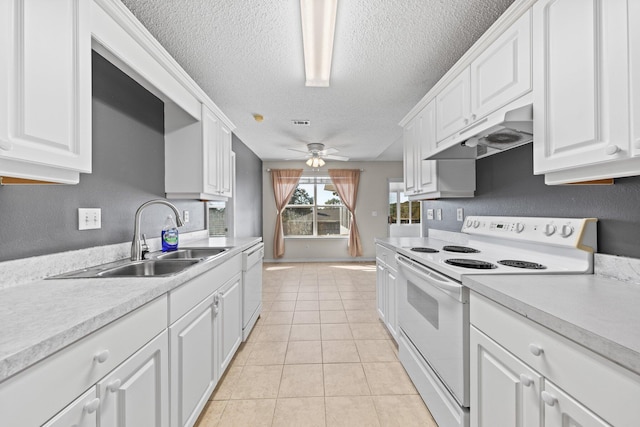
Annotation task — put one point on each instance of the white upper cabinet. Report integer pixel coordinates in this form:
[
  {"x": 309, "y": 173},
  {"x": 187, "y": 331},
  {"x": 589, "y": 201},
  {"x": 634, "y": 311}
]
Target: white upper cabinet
[
  {"x": 45, "y": 89},
  {"x": 198, "y": 160},
  {"x": 581, "y": 105},
  {"x": 500, "y": 74},
  {"x": 431, "y": 179}
]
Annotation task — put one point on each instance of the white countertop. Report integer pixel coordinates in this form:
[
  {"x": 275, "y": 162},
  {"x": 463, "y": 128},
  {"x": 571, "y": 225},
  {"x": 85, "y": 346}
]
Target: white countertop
[
  {"x": 42, "y": 317},
  {"x": 598, "y": 313}
]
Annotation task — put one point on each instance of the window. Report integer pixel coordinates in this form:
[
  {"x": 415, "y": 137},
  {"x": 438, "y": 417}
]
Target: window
[
  {"x": 315, "y": 210},
  {"x": 401, "y": 209}
]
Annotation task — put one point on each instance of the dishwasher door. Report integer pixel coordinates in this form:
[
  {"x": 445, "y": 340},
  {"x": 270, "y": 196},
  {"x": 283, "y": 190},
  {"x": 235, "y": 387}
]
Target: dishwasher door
[{"x": 251, "y": 287}]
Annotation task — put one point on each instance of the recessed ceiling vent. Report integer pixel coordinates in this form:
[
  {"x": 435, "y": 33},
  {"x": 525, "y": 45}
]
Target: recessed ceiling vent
[{"x": 301, "y": 122}]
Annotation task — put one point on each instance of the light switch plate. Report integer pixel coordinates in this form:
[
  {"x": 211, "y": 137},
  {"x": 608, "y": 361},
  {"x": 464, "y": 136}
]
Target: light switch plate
[
  {"x": 89, "y": 218},
  {"x": 429, "y": 213},
  {"x": 460, "y": 214},
  {"x": 439, "y": 214}
]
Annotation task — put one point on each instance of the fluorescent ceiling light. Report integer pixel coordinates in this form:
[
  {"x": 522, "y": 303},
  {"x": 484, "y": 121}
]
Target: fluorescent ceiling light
[{"x": 318, "y": 29}]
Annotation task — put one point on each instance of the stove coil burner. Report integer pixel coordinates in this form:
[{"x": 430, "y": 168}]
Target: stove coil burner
[
  {"x": 471, "y": 263},
  {"x": 425, "y": 250},
  {"x": 460, "y": 249},
  {"x": 522, "y": 264}
]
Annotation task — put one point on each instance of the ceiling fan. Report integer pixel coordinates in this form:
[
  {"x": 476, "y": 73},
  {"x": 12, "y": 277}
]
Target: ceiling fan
[{"x": 316, "y": 153}]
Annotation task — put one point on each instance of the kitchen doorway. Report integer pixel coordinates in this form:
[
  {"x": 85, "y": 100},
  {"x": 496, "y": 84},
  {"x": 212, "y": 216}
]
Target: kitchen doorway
[{"x": 404, "y": 216}]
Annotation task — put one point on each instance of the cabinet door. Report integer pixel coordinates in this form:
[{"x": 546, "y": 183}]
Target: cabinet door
[
  {"x": 230, "y": 319},
  {"x": 210, "y": 139},
  {"x": 45, "y": 84},
  {"x": 453, "y": 105},
  {"x": 80, "y": 413},
  {"x": 634, "y": 72},
  {"x": 193, "y": 362},
  {"x": 137, "y": 392},
  {"x": 502, "y": 73},
  {"x": 426, "y": 174},
  {"x": 225, "y": 161},
  {"x": 581, "y": 101},
  {"x": 391, "y": 318},
  {"x": 409, "y": 160},
  {"x": 562, "y": 410},
  {"x": 504, "y": 391},
  {"x": 381, "y": 296}
]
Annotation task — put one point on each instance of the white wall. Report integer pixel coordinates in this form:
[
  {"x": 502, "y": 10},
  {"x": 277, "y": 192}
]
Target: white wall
[{"x": 373, "y": 196}]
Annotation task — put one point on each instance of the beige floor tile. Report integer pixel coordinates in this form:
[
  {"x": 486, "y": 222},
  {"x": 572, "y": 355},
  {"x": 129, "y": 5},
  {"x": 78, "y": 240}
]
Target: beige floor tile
[
  {"x": 283, "y": 306},
  {"x": 253, "y": 336},
  {"x": 227, "y": 383},
  {"x": 405, "y": 411},
  {"x": 266, "y": 306},
  {"x": 269, "y": 296},
  {"x": 299, "y": 352},
  {"x": 258, "y": 382},
  {"x": 327, "y": 287},
  {"x": 301, "y": 317},
  {"x": 331, "y": 305},
  {"x": 362, "y": 316},
  {"x": 278, "y": 318},
  {"x": 355, "y": 304},
  {"x": 345, "y": 379},
  {"x": 301, "y": 381},
  {"x": 333, "y": 316},
  {"x": 308, "y": 332},
  {"x": 347, "y": 287},
  {"x": 243, "y": 413},
  {"x": 307, "y": 296},
  {"x": 339, "y": 352},
  {"x": 368, "y": 295},
  {"x": 336, "y": 331},
  {"x": 347, "y": 295},
  {"x": 352, "y": 411},
  {"x": 388, "y": 378},
  {"x": 308, "y": 288},
  {"x": 369, "y": 331},
  {"x": 271, "y": 333},
  {"x": 307, "y": 306},
  {"x": 267, "y": 353},
  {"x": 329, "y": 295},
  {"x": 242, "y": 354},
  {"x": 211, "y": 414},
  {"x": 300, "y": 411},
  {"x": 374, "y": 351},
  {"x": 289, "y": 288},
  {"x": 285, "y": 296}
]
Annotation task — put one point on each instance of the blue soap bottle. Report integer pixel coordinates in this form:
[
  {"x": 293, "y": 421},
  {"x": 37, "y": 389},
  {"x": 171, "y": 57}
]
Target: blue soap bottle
[{"x": 169, "y": 235}]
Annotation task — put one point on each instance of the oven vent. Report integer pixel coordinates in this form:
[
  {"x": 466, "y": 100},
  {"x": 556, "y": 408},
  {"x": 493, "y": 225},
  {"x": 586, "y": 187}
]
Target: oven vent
[{"x": 301, "y": 122}]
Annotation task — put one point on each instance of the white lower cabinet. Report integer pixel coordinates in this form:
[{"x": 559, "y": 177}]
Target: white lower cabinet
[
  {"x": 136, "y": 393},
  {"x": 562, "y": 410},
  {"x": 386, "y": 289},
  {"x": 381, "y": 295},
  {"x": 230, "y": 320},
  {"x": 82, "y": 412}
]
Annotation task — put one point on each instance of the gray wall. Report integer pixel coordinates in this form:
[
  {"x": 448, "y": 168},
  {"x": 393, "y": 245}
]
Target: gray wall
[
  {"x": 128, "y": 169},
  {"x": 506, "y": 186},
  {"x": 247, "y": 197}
]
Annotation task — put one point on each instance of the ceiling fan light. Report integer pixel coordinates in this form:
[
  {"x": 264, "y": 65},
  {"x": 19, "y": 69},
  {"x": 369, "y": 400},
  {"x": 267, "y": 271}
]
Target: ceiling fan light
[
  {"x": 321, "y": 162},
  {"x": 318, "y": 30},
  {"x": 309, "y": 162}
]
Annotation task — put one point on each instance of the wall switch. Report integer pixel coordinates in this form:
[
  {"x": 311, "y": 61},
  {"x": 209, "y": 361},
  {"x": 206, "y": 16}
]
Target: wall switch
[
  {"x": 460, "y": 214},
  {"x": 374, "y": 213},
  {"x": 439, "y": 214},
  {"x": 185, "y": 216},
  {"x": 429, "y": 213},
  {"x": 89, "y": 218}
]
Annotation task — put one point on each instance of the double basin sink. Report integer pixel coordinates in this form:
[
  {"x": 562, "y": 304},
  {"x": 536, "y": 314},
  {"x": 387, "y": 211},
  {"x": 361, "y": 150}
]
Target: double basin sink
[{"x": 156, "y": 264}]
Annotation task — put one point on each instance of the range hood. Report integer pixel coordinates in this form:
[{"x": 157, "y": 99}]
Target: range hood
[{"x": 509, "y": 127}]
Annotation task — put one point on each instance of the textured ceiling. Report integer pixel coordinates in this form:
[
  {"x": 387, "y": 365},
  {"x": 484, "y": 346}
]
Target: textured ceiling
[{"x": 247, "y": 56}]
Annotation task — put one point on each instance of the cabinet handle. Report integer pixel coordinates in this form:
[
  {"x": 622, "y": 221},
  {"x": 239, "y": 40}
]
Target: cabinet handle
[
  {"x": 114, "y": 385},
  {"x": 473, "y": 117},
  {"x": 92, "y": 406},
  {"x": 526, "y": 380},
  {"x": 535, "y": 349},
  {"x": 611, "y": 149},
  {"x": 549, "y": 398},
  {"x": 5, "y": 145},
  {"x": 466, "y": 121},
  {"x": 101, "y": 356}
]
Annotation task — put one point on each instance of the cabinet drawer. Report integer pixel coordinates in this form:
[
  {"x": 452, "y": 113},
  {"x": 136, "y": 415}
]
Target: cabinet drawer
[
  {"x": 609, "y": 390},
  {"x": 187, "y": 296},
  {"x": 386, "y": 255},
  {"x": 59, "y": 379}
]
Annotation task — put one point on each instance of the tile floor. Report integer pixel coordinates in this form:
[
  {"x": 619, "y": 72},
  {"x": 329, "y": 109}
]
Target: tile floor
[{"x": 318, "y": 356}]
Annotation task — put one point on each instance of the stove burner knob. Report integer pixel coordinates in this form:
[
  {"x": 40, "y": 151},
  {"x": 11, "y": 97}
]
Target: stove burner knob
[
  {"x": 476, "y": 224},
  {"x": 519, "y": 227},
  {"x": 566, "y": 231},
  {"x": 469, "y": 223},
  {"x": 549, "y": 229}
]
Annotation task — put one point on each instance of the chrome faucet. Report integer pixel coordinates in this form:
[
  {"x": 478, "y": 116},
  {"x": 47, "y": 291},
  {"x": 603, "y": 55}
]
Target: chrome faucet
[{"x": 136, "y": 246}]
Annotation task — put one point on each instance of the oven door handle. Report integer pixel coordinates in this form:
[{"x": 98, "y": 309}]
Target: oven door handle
[{"x": 429, "y": 275}]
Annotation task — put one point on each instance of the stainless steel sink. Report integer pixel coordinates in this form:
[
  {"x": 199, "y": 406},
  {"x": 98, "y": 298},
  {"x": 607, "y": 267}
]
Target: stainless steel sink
[
  {"x": 155, "y": 267},
  {"x": 188, "y": 253}
]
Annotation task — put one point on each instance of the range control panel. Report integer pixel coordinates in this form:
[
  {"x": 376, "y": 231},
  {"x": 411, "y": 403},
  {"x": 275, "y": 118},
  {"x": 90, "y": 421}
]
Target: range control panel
[{"x": 568, "y": 232}]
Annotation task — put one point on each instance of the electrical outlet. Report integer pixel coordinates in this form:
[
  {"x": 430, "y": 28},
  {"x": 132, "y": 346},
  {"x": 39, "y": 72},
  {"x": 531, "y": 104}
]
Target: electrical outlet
[
  {"x": 429, "y": 213},
  {"x": 185, "y": 216},
  {"x": 89, "y": 218},
  {"x": 460, "y": 214},
  {"x": 439, "y": 214}
]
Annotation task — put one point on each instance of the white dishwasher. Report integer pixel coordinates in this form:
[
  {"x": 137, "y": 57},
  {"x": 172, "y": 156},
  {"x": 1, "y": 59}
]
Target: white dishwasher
[{"x": 251, "y": 287}]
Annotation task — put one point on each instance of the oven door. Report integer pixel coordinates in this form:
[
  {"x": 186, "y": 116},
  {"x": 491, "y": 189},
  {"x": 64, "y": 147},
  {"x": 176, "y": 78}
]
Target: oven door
[{"x": 434, "y": 315}]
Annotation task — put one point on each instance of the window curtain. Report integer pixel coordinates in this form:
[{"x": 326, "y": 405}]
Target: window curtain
[
  {"x": 346, "y": 182},
  {"x": 284, "y": 183}
]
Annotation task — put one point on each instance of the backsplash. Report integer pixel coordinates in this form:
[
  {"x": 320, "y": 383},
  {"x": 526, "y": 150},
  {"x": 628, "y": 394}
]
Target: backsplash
[{"x": 505, "y": 185}]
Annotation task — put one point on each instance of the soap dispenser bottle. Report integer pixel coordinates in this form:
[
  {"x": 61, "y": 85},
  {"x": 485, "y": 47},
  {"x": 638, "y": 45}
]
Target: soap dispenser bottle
[{"x": 169, "y": 235}]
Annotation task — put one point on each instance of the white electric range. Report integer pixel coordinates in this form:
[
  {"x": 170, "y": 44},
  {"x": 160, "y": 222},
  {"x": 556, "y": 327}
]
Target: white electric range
[{"x": 433, "y": 305}]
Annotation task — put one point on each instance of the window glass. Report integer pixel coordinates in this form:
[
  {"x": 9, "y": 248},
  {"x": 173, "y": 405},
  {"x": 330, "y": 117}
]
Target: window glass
[{"x": 402, "y": 210}]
